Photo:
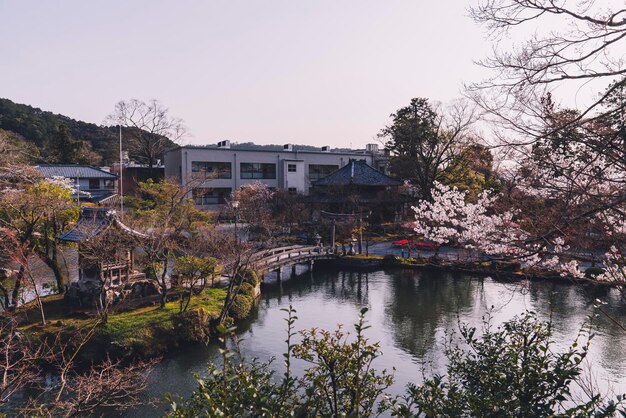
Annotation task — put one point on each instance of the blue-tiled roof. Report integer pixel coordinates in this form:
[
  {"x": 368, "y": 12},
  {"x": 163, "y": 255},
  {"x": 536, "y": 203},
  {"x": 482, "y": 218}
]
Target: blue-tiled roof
[
  {"x": 357, "y": 173},
  {"x": 94, "y": 221},
  {"x": 74, "y": 171}
]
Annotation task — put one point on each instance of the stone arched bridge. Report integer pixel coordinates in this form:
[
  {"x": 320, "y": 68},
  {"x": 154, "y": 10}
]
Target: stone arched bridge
[{"x": 274, "y": 259}]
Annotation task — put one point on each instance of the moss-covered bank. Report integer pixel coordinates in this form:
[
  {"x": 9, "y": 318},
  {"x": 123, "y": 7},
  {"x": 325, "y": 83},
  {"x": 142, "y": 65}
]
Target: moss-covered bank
[{"x": 145, "y": 332}]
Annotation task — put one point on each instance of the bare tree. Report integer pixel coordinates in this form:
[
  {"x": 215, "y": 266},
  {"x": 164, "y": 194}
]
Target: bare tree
[
  {"x": 76, "y": 390},
  {"x": 568, "y": 171},
  {"x": 235, "y": 256},
  {"x": 567, "y": 45},
  {"x": 14, "y": 149},
  {"x": 153, "y": 128},
  {"x": 171, "y": 217},
  {"x": 107, "y": 384},
  {"x": 17, "y": 360}
]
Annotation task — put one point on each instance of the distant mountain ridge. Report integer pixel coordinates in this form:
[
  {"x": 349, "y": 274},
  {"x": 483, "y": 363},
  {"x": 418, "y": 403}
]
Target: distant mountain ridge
[
  {"x": 98, "y": 144},
  {"x": 34, "y": 136}
]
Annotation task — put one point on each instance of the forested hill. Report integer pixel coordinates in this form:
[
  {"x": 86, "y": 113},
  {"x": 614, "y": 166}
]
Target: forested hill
[{"x": 44, "y": 136}]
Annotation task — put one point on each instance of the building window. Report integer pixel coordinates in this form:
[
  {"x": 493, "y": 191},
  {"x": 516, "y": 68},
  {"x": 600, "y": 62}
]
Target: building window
[
  {"x": 206, "y": 169},
  {"x": 258, "y": 171},
  {"x": 292, "y": 190},
  {"x": 109, "y": 184},
  {"x": 211, "y": 196},
  {"x": 318, "y": 171},
  {"x": 291, "y": 168},
  {"x": 94, "y": 184}
]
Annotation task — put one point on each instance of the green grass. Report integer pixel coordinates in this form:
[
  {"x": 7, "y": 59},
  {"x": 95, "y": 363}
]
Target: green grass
[
  {"x": 148, "y": 330},
  {"x": 133, "y": 326},
  {"x": 363, "y": 257}
]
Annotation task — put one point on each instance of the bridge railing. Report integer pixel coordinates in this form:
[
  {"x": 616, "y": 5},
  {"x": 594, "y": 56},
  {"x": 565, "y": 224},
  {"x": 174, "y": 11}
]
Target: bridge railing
[
  {"x": 289, "y": 253},
  {"x": 274, "y": 251}
]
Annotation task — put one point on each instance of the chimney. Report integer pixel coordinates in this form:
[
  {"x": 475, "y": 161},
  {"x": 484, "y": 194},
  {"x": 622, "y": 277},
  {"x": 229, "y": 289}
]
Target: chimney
[
  {"x": 288, "y": 147},
  {"x": 224, "y": 144},
  {"x": 372, "y": 148},
  {"x": 325, "y": 148}
]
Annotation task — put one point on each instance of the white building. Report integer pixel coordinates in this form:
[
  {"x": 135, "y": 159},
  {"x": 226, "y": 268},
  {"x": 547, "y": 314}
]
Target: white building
[{"x": 215, "y": 171}]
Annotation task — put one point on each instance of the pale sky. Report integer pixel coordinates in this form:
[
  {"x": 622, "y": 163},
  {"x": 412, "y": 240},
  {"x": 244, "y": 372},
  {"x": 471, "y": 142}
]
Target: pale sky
[{"x": 303, "y": 72}]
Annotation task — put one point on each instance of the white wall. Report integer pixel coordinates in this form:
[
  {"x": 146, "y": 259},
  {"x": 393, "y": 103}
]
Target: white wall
[{"x": 178, "y": 165}]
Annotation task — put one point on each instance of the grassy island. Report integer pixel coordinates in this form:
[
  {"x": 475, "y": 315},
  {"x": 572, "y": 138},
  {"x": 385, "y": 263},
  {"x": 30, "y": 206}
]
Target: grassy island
[{"x": 142, "y": 332}]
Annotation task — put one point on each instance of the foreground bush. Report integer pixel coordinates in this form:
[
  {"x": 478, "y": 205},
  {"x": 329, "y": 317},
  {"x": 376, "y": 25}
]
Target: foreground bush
[
  {"x": 511, "y": 371},
  {"x": 340, "y": 381}
]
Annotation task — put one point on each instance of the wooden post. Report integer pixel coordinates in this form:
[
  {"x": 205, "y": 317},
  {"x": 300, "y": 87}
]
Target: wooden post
[
  {"x": 359, "y": 226},
  {"x": 293, "y": 270},
  {"x": 279, "y": 272},
  {"x": 332, "y": 235}
]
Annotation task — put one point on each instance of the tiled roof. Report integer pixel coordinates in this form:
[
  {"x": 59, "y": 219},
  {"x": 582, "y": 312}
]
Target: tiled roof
[
  {"x": 74, "y": 171},
  {"x": 92, "y": 222},
  {"x": 357, "y": 173}
]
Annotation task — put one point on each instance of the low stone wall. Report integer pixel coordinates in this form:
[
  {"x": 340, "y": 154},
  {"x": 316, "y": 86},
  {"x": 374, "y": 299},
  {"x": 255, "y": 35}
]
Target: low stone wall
[{"x": 499, "y": 270}]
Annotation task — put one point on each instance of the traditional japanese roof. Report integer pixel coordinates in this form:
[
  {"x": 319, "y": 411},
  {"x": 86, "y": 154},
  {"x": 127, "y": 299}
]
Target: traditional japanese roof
[
  {"x": 94, "y": 221},
  {"x": 74, "y": 171},
  {"x": 358, "y": 173}
]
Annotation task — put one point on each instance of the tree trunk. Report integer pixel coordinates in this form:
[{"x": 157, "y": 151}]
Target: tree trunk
[
  {"x": 163, "y": 284},
  {"x": 16, "y": 288},
  {"x": 39, "y": 303},
  {"x": 53, "y": 264},
  {"x": 58, "y": 274},
  {"x": 5, "y": 297}
]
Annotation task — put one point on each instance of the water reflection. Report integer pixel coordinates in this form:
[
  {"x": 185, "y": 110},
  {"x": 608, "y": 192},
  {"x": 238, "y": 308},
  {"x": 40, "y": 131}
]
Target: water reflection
[
  {"x": 420, "y": 303},
  {"x": 410, "y": 314}
]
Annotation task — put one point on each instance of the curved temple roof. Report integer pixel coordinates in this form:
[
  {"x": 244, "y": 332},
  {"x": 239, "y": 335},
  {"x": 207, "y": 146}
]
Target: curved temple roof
[
  {"x": 358, "y": 173},
  {"x": 94, "y": 221}
]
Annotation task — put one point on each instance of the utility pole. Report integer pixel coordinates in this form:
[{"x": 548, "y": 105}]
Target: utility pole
[{"x": 121, "y": 187}]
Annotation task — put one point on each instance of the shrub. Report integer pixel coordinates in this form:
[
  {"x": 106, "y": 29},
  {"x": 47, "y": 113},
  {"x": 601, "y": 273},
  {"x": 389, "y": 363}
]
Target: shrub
[
  {"x": 390, "y": 260},
  {"x": 193, "y": 325},
  {"x": 339, "y": 382},
  {"x": 247, "y": 290},
  {"x": 511, "y": 371},
  {"x": 241, "y": 306},
  {"x": 250, "y": 276}
]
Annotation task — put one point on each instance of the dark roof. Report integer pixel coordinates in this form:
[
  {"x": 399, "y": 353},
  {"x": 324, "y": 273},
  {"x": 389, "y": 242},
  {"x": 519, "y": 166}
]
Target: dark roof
[
  {"x": 358, "y": 173},
  {"x": 297, "y": 149},
  {"x": 94, "y": 221},
  {"x": 73, "y": 171}
]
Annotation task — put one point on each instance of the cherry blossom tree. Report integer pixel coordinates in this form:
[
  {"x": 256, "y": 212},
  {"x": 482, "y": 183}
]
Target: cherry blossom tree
[{"x": 450, "y": 218}]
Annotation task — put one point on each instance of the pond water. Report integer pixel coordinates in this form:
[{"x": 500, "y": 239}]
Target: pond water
[{"x": 410, "y": 313}]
